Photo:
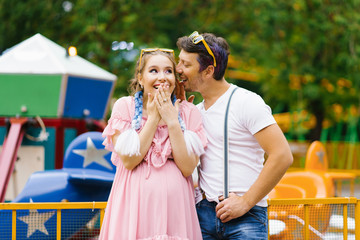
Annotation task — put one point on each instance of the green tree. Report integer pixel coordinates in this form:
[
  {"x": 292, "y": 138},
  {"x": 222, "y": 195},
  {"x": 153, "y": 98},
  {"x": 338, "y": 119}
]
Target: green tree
[
  {"x": 314, "y": 47},
  {"x": 305, "y": 53}
]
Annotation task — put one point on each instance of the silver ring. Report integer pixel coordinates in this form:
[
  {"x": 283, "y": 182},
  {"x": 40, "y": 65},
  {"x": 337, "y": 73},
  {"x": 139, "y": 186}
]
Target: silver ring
[{"x": 165, "y": 100}]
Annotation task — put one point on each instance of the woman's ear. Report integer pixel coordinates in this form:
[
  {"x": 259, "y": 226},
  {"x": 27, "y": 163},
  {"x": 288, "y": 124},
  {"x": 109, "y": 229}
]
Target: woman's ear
[{"x": 139, "y": 78}]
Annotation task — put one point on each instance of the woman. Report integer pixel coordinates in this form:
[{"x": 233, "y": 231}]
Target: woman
[{"x": 156, "y": 143}]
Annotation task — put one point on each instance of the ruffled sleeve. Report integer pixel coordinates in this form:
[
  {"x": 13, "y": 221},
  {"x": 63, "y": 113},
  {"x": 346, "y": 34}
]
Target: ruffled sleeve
[
  {"x": 193, "y": 122},
  {"x": 120, "y": 120}
]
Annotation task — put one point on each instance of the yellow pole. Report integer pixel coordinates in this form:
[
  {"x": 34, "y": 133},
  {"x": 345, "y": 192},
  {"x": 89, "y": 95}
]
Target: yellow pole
[
  {"x": 58, "y": 224},
  {"x": 306, "y": 225},
  {"x": 357, "y": 219},
  {"x": 13, "y": 224},
  {"x": 102, "y": 212},
  {"x": 345, "y": 223}
]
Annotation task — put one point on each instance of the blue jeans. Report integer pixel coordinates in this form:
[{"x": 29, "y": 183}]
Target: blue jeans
[{"x": 252, "y": 225}]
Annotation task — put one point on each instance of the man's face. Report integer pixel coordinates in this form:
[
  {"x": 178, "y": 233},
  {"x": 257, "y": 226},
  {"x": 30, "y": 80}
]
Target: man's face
[{"x": 188, "y": 69}]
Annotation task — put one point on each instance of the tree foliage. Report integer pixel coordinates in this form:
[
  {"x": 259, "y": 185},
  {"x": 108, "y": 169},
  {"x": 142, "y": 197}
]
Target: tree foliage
[
  {"x": 315, "y": 55},
  {"x": 304, "y": 52}
]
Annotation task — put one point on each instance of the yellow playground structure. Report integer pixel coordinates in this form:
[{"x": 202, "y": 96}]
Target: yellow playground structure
[{"x": 315, "y": 183}]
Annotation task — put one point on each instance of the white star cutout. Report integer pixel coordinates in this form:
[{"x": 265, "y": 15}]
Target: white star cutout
[
  {"x": 92, "y": 154},
  {"x": 36, "y": 221}
]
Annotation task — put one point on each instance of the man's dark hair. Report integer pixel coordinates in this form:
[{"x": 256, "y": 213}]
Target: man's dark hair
[{"x": 218, "y": 46}]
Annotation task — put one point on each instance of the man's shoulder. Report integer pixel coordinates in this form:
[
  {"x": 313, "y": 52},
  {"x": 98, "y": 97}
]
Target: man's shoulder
[
  {"x": 243, "y": 91},
  {"x": 245, "y": 95}
]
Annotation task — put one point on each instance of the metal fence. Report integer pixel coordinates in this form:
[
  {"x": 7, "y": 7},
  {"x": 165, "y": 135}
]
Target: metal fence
[
  {"x": 65, "y": 220},
  {"x": 325, "y": 218}
]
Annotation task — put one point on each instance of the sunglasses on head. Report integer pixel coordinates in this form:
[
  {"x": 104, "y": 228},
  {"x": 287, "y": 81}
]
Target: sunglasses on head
[
  {"x": 146, "y": 50},
  {"x": 196, "y": 38}
]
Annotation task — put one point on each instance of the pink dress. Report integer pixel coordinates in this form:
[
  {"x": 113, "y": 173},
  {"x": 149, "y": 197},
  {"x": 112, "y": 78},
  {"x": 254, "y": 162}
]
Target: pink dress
[{"x": 154, "y": 200}]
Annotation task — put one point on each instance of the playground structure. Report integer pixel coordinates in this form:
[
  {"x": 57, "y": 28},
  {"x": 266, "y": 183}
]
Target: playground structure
[
  {"x": 48, "y": 94},
  {"x": 314, "y": 182},
  {"x": 302, "y": 198},
  {"x": 87, "y": 176},
  {"x": 53, "y": 101}
]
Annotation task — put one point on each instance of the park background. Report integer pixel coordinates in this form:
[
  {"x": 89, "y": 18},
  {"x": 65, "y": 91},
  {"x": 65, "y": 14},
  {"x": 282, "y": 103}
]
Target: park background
[{"x": 301, "y": 56}]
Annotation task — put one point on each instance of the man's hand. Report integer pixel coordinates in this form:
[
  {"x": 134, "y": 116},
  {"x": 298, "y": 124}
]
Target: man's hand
[
  {"x": 181, "y": 94},
  {"x": 191, "y": 98},
  {"x": 232, "y": 207}
]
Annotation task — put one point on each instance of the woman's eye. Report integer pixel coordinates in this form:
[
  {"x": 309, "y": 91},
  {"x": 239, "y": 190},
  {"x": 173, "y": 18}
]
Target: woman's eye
[
  {"x": 169, "y": 71},
  {"x": 153, "y": 71}
]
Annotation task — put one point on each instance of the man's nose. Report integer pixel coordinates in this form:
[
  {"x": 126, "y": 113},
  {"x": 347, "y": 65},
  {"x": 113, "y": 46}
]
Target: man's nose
[{"x": 178, "y": 68}]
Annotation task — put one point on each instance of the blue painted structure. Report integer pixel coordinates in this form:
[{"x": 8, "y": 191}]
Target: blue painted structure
[
  {"x": 87, "y": 176},
  {"x": 86, "y": 94}
]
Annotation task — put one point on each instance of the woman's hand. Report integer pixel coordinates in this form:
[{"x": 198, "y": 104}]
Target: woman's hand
[
  {"x": 152, "y": 110},
  {"x": 168, "y": 112}
]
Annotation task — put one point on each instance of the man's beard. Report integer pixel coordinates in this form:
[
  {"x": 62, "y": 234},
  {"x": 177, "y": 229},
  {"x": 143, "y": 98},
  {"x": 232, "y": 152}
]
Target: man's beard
[
  {"x": 188, "y": 88},
  {"x": 193, "y": 86}
]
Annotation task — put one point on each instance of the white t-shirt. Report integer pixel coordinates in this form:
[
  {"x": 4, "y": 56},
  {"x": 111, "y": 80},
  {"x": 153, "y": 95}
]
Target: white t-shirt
[{"x": 248, "y": 114}]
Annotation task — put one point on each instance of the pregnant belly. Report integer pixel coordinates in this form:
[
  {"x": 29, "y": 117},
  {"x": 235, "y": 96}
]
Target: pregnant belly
[{"x": 166, "y": 181}]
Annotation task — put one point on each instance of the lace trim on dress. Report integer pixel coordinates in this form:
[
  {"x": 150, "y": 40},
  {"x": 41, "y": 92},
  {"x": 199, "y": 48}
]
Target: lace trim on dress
[{"x": 164, "y": 237}]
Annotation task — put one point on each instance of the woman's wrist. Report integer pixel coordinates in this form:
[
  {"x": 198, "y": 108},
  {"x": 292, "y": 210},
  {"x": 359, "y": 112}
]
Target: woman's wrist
[
  {"x": 173, "y": 124},
  {"x": 153, "y": 120}
]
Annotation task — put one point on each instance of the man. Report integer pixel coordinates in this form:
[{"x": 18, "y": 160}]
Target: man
[{"x": 252, "y": 131}]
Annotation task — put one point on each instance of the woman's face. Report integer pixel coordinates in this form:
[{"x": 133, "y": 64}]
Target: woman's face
[{"x": 158, "y": 70}]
